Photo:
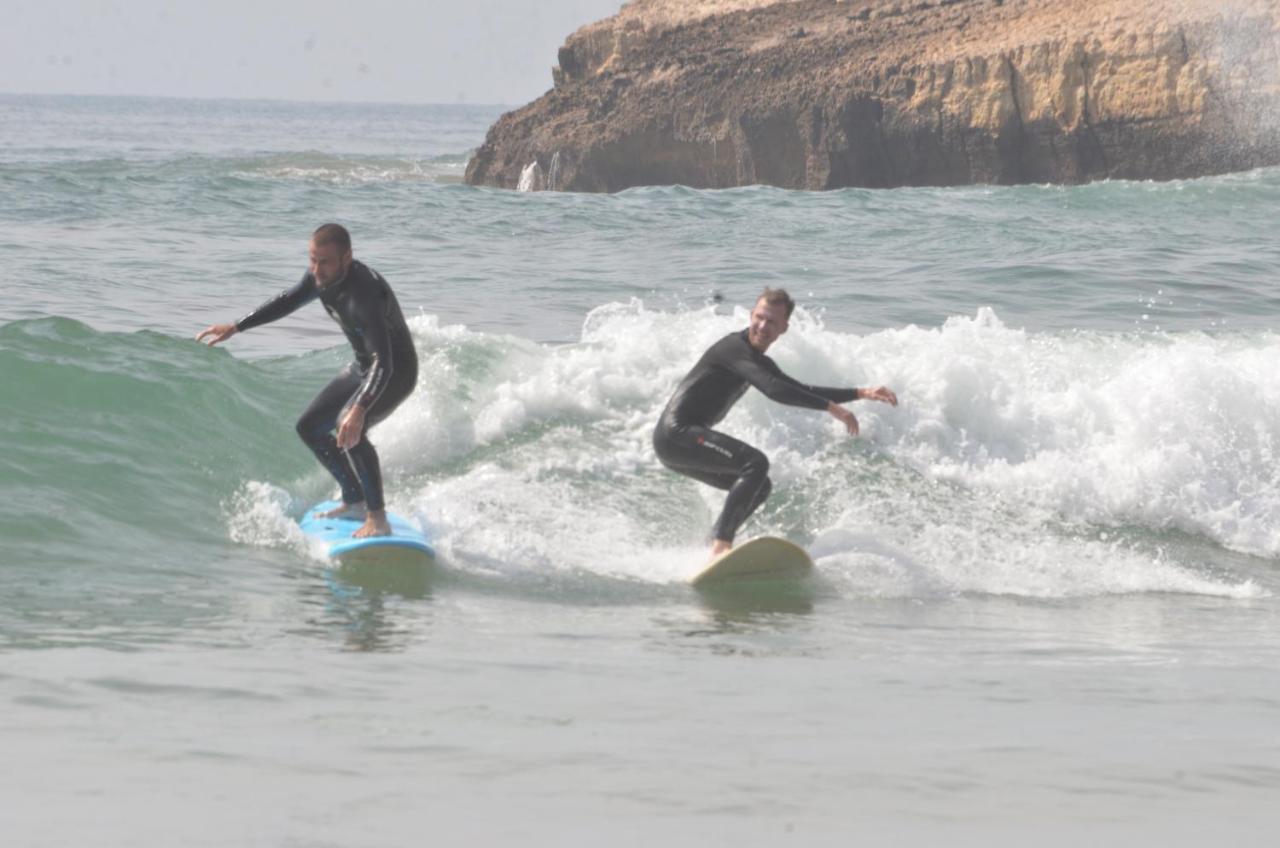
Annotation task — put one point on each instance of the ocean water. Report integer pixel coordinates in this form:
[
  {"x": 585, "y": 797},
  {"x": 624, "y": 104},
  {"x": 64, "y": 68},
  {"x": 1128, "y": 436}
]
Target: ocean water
[{"x": 1045, "y": 606}]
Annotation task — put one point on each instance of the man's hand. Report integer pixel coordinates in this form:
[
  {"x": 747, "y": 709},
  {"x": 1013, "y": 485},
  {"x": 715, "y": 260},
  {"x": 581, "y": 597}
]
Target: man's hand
[
  {"x": 845, "y": 417},
  {"x": 351, "y": 427},
  {"x": 880, "y": 393},
  {"x": 216, "y": 333}
]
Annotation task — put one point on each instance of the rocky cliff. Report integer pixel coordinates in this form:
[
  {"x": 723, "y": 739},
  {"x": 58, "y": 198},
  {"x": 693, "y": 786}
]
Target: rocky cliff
[{"x": 822, "y": 94}]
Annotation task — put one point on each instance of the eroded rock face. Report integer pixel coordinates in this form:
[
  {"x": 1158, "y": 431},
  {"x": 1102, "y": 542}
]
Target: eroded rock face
[{"x": 819, "y": 94}]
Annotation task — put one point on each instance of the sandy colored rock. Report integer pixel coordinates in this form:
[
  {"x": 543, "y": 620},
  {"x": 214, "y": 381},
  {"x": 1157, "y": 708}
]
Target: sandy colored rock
[{"x": 824, "y": 94}]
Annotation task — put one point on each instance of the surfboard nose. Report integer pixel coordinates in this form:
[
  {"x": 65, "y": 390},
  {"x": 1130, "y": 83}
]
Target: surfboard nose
[{"x": 762, "y": 558}]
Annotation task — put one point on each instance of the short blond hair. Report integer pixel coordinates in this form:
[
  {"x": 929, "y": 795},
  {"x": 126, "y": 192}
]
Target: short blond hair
[{"x": 777, "y": 297}]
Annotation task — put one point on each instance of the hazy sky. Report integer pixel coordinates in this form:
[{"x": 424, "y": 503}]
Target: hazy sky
[{"x": 413, "y": 51}]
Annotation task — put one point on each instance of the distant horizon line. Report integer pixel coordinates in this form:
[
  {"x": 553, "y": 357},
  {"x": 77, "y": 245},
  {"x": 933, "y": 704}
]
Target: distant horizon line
[{"x": 229, "y": 99}]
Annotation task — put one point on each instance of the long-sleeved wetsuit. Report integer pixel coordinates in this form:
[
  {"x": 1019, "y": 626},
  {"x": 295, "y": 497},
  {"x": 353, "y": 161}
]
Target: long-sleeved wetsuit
[
  {"x": 383, "y": 375},
  {"x": 685, "y": 442}
]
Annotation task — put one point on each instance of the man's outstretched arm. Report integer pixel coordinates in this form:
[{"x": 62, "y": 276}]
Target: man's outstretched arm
[
  {"x": 215, "y": 333},
  {"x": 881, "y": 393},
  {"x": 884, "y": 394},
  {"x": 274, "y": 309}
]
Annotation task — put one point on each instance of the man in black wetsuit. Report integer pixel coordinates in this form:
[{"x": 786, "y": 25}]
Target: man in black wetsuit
[
  {"x": 363, "y": 393},
  {"x": 685, "y": 442}
]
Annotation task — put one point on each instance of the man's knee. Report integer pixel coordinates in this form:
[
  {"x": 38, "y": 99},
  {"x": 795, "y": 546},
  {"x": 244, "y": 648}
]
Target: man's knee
[
  {"x": 309, "y": 429},
  {"x": 755, "y": 464}
]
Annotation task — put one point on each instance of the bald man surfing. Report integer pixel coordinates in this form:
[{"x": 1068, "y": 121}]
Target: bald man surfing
[{"x": 336, "y": 424}]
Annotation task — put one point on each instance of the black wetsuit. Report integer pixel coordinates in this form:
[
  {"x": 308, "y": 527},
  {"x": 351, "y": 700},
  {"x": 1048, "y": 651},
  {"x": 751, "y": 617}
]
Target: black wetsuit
[
  {"x": 685, "y": 442},
  {"x": 383, "y": 375}
]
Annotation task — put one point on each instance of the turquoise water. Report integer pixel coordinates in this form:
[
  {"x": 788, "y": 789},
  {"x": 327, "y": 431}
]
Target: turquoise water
[{"x": 1045, "y": 603}]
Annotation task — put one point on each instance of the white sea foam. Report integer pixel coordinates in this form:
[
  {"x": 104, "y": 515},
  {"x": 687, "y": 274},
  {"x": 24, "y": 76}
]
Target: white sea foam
[
  {"x": 1010, "y": 466},
  {"x": 259, "y": 514},
  {"x": 338, "y": 170},
  {"x": 1164, "y": 432}
]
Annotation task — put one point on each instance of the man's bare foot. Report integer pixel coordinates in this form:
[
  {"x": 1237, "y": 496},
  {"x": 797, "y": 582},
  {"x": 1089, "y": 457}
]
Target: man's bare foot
[
  {"x": 354, "y": 511},
  {"x": 375, "y": 524},
  {"x": 720, "y": 546}
]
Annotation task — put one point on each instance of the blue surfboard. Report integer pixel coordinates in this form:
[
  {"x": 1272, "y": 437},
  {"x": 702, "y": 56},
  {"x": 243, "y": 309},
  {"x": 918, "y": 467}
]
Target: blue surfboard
[{"x": 333, "y": 535}]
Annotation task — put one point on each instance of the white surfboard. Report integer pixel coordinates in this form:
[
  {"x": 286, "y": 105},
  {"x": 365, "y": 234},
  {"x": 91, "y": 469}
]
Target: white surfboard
[
  {"x": 334, "y": 536},
  {"x": 763, "y": 558}
]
